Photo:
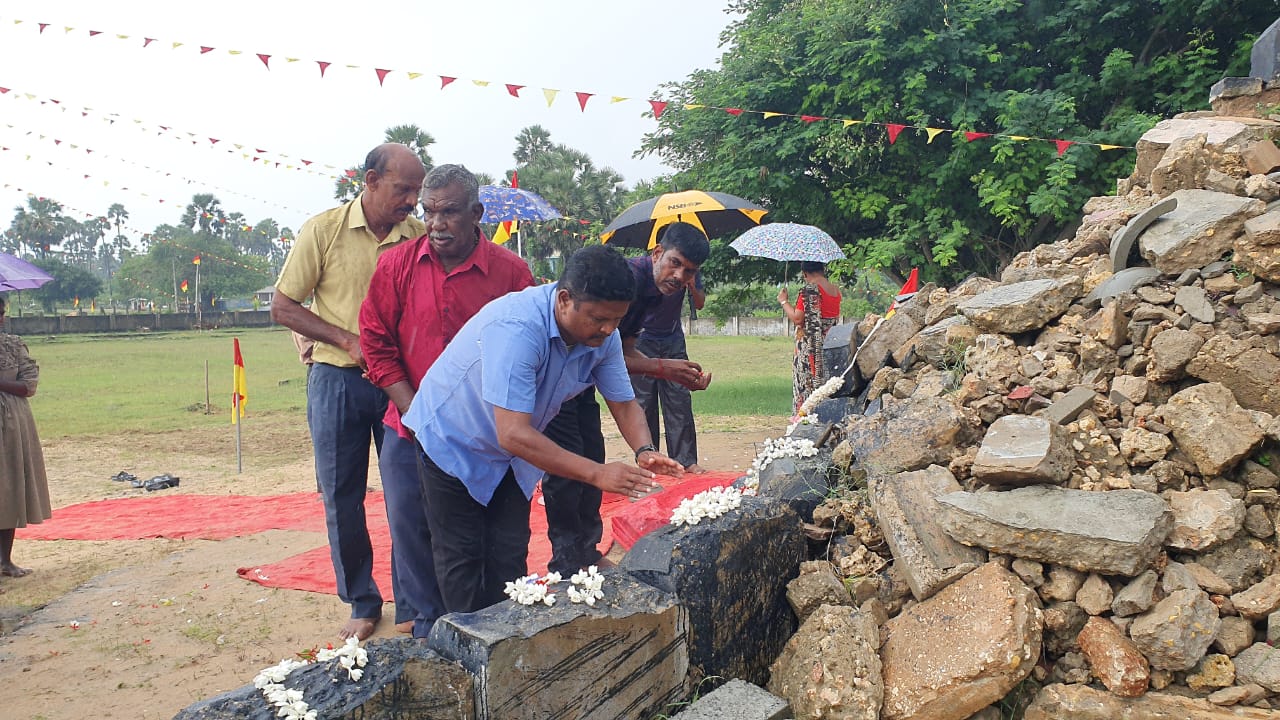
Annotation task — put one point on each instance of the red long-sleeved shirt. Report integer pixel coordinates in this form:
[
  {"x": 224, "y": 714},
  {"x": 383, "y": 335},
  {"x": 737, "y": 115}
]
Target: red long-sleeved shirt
[{"x": 413, "y": 308}]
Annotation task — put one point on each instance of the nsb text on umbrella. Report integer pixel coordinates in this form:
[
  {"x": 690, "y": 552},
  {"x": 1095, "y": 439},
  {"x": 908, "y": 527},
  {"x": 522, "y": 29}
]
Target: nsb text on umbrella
[{"x": 714, "y": 213}]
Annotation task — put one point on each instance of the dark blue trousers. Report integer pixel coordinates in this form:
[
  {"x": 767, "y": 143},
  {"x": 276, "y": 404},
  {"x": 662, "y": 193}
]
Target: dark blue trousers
[
  {"x": 573, "y": 508},
  {"x": 413, "y": 570},
  {"x": 344, "y": 412},
  {"x": 672, "y": 399}
]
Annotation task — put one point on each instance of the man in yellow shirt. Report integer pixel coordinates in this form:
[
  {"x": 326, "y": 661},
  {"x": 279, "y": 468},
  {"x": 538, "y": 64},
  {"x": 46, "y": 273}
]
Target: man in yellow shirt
[{"x": 332, "y": 259}]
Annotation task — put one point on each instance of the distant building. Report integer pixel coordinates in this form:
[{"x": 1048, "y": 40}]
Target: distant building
[{"x": 264, "y": 296}]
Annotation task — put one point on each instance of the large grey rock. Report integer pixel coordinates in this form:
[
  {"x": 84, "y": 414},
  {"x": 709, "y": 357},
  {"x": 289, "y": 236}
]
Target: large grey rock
[
  {"x": 627, "y": 657},
  {"x": 1211, "y": 428},
  {"x": 1195, "y": 302},
  {"x": 1184, "y": 166},
  {"x": 733, "y": 591},
  {"x": 1258, "y": 249},
  {"x": 1259, "y": 600},
  {"x": 1218, "y": 132},
  {"x": 1123, "y": 281},
  {"x": 1023, "y": 306},
  {"x": 1251, "y": 374},
  {"x": 830, "y": 668},
  {"x": 909, "y": 435},
  {"x": 1264, "y": 56},
  {"x": 1199, "y": 231},
  {"x": 1024, "y": 450},
  {"x": 965, "y": 648},
  {"x": 402, "y": 679},
  {"x": 1082, "y": 702},
  {"x": 1171, "y": 351},
  {"x": 736, "y": 700},
  {"x": 799, "y": 482},
  {"x": 1260, "y": 664},
  {"x": 892, "y": 334},
  {"x": 906, "y": 508},
  {"x": 1203, "y": 518},
  {"x": 1229, "y": 87},
  {"x": 1117, "y": 532},
  {"x": 1122, "y": 243},
  {"x": 1175, "y": 634}
]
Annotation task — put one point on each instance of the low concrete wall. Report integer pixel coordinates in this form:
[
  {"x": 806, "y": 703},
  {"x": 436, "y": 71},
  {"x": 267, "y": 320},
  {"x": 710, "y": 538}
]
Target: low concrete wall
[{"x": 134, "y": 322}]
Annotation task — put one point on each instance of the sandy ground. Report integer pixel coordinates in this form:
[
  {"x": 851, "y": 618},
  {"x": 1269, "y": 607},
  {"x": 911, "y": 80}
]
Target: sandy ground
[{"x": 164, "y": 623}]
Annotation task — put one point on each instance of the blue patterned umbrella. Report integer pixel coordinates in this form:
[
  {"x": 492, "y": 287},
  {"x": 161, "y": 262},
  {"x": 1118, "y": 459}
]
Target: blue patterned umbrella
[
  {"x": 506, "y": 203},
  {"x": 788, "y": 241},
  {"x": 18, "y": 274}
]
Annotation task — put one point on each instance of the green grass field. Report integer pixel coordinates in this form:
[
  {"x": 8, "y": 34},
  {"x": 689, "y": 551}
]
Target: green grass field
[{"x": 111, "y": 384}]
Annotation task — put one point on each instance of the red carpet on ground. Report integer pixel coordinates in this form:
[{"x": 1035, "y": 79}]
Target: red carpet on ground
[{"x": 217, "y": 517}]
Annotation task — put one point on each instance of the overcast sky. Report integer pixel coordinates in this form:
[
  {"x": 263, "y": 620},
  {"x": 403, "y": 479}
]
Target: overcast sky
[{"x": 622, "y": 48}]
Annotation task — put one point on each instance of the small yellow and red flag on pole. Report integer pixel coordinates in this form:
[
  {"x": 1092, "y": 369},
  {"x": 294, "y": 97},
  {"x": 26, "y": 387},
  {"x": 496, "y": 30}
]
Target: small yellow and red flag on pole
[
  {"x": 184, "y": 286},
  {"x": 505, "y": 230},
  {"x": 239, "y": 389},
  {"x": 909, "y": 288},
  {"x": 196, "y": 260}
]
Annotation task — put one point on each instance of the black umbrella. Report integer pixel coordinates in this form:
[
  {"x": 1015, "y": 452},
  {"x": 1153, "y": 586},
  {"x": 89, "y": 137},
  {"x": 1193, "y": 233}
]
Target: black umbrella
[{"x": 714, "y": 213}]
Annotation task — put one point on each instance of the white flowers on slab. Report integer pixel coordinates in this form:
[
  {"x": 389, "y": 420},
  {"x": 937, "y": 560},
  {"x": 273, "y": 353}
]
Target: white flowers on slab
[
  {"x": 289, "y": 703},
  {"x": 585, "y": 586},
  {"x": 775, "y": 448},
  {"x": 708, "y": 504}
]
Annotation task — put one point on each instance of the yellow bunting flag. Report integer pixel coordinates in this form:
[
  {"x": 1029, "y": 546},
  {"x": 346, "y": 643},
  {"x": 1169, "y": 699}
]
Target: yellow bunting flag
[
  {"x": 550, "y": 95},
  {"x": 933, "y": 133}
]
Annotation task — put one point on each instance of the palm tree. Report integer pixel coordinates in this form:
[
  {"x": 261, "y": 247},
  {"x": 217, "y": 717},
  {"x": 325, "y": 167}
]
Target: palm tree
[
  {"x": 40, "y": 226},
  {"x": 418, "y": 140},
  {"x": 530, "y": 143},
  {"x": 204, "y": 212},
  {"x": 117, "y": 214}
]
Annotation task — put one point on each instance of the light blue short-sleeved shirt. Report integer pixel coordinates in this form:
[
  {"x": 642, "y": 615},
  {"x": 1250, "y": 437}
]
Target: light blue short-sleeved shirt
[{"x": 509, "y": 355}]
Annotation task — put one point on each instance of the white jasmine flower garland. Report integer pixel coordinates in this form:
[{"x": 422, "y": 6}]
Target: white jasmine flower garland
[
  {"x": 775, "y": 448},
  {"x": 584, "y": 587},
  {"x": 824, "y": 392},
  {"x": 290, "y": 703},
  {"x": 708, "y": 504}
]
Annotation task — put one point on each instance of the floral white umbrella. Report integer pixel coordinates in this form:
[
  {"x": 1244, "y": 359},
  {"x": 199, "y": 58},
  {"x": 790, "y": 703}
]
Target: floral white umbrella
[{"x": 788, "y": 241}]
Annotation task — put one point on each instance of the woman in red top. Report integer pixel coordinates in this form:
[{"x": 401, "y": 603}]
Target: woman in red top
[{"x": 816, "y": 310}]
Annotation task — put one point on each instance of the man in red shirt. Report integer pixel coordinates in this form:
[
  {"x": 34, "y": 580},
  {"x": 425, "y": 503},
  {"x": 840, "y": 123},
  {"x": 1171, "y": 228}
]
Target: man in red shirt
[{"x": 421, "y": 294}]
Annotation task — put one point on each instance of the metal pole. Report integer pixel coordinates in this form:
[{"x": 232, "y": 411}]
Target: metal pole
[
  {"x": 206, "y": 387},
  {"x": 235, "y": 410}
]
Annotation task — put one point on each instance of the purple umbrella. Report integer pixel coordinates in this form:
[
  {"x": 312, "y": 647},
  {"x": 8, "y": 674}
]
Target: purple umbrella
[{"x": 18, "y": 274}]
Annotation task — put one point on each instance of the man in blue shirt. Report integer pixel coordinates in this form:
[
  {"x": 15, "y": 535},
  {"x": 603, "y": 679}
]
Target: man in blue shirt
[
  {"x": 481, "y": 408},
  {"x": 573, "y": 509}
]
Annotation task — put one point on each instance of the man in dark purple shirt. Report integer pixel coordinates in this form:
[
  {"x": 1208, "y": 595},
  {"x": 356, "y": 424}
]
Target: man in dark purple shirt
[{"x": 573, "y": 508}]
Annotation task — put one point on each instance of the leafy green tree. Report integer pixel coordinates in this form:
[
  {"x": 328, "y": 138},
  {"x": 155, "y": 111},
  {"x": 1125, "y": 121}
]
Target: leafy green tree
[
  {"x": 204, "y": 213},
  {"x": 69, "y": 282},
  {"x": 1070, "y": 69},
  {"x": 418, "y": 140}
]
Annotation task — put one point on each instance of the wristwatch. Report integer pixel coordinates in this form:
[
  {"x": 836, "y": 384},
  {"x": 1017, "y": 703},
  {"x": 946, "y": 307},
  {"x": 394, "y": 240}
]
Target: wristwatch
[{"x": 644, "y": 449}]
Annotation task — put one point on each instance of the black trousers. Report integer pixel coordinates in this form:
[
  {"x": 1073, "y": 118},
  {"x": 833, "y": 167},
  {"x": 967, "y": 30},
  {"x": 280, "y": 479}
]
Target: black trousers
[
  {"x": 477, "y": 548},
  {"x": 573, "y": 508}
]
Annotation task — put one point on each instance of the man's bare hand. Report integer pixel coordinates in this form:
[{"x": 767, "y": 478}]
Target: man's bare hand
[
  {"x": 685, "y": 372},
  {"x": 624, "y": 479},
  {"x": 656, "y": 462},
  {"x": 703, "y": 381}
]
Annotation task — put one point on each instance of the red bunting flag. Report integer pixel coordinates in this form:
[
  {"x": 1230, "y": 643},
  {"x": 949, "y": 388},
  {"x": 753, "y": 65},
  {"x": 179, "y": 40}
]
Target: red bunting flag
[
  {"x": 239, "y": 388},
  {"x": 147, "y": 41},
  {"x": 971, "y": 136},
  {"x": 583, "y": 97},
  {"x": 734, "y": 111},
  {"x": 382, "y": 75},
  {"x": 265, "y": 60},
  {"x": 894, "y": 129},
  {"x": 204, "y": 49},
  {"x": 811, "y": 118},
  {"x": 323, "y": 66},
  {"x": 658, "y": 106},
  {"x": 42, "y": 27},
  {"x": 514, "y": 90},
  {"x": 445, "y": 80},
  {"x": 1063, "y": 145},
  {"x": 93, "y": 33}
]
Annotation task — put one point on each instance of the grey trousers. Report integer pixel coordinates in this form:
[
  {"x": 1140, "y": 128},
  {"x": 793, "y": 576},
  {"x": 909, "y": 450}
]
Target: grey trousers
[{"x": 673, "y": 400}]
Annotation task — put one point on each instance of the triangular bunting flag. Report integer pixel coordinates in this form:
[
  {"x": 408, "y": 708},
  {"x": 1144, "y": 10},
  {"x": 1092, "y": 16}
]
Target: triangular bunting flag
[
  {"x": 42, "y": 27},
  {"x": 1063, "y": 145},
  {"x": 811, "y": 118},
  {"x": 176, "y": 45},
  {"x": 847, "y": 123},
  {"x": 894, "y": 129},
  {"x": 583, "y": 97},
  {"x": 122, "y": 37},
  {"x": 323, "y": 66},
  {"x": 514, "y": 90},
  {"x": 734, "y": 111},
  {"x": 480, "y": 83},
  {"x": 933, "y": 133},
  {"x": 550, "y": 95},
  {"x": 265, "y": 60},
  {"x": 971, "y": 136},
  {"x": 414, "y": 75},
  {"x": 616, "y": 99},
  {"x": 1110, "y": 147},
  {"x": 382, "y": 75},
  {"x": 205, "y": 49},
  {"x": 94, "y": 33},
  {"x": 147, "y": 41},
  {"x": 445, "y": 80},
  {"x": 1019, "y": 138},
  {"x": 234, "y": 52},
  {"x": 768, "y": 114},
  {"x": 658, "y": 107},
  {"x": 693, "y": 106}
]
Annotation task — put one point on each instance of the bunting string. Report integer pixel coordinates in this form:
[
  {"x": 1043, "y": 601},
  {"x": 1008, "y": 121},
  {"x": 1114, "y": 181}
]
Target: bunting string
[{"x": 654, "y": 107}]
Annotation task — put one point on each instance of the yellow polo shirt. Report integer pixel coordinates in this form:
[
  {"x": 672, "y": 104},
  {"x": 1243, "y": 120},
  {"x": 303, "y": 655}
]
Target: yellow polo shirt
[{"x": 333, "y": 257}]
